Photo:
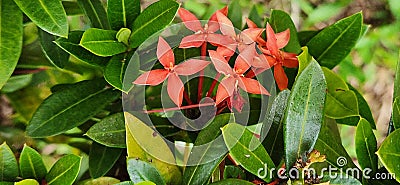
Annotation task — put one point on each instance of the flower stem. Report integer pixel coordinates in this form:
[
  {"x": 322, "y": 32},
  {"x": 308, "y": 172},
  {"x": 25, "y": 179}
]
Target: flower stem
[
  {"x": 187, "y": 98},
  {"x": 201, "y": 78},
  {"x": 179, "y": 108}
]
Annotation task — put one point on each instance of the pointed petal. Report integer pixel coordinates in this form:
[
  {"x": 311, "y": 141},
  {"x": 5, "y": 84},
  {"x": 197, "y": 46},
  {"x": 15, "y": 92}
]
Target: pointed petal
[
  {"x": 191, "y": 66},
  {"x": 252, "y": 86},
  {"x": 220, "y": 64},
  {"x": 213, "y": 24},
  {"x": 220, "y": 40},
  {"x": 264, "y": 50},
  {"x": 165, "y": 54},
  {"x": 226, "y": 51},
  {"x": 153, "y": 77},
  {"x": 251, "y": 24},
  {"x": 191, "y": 22},
  {"x": 226, "y": 25},
  {"x": 250, "y": 35},
  {"x": 244, "y": 59},
  {"x": 271, "y": 41},
  {"x": 260, "y": 61},
  {"x": 282, "y": 38},
  {"x": 225, "y": 89},
  {"x": 271, "y": 60},
  {"x": 291, "y": 63},
  {"x": 195, "y": 40},
  {"x": 175, "y": 89},
  {"x": 280, "y": 77}
]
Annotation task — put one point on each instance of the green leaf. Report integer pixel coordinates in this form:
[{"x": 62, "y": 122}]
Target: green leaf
[
  {"x": 102, "y": 159},
  {"x": 16, "y": 83},
  {"x": 239, "y": 140},
  {"x": 11, "y": 32},
  {"x": 110, "y": 131},
  {"x": 114, "y": 72},
  {"x": 101, "y": 181},
  {"x": 54, "y": 54},
  {"x": 334, "y": 43},
  {"x": 71, "y": 45},
  {"x": 122, "y": 13},
  {"x": 389, "y": 153},
  {"x": 96, "y": 13},
  {"x": 123, "y": 35},
  {"x": 8, "y": 164},
  {"x": 142, "y": 171},
  {"x": 232, "y": 182},
  {"x": 47, "y": 14},
  {"x": 396, "y": 113},
  {"x": 231, "y": 171},
  {"x": 146, "y": 183},
  {"x": 71, "y": 8},
  {"x": 305, "y": 36},
  {"x": 31, "y": 164},
  {"x": 396, "y": 92},
  {"x": 272, "y": 128},
  {"x": 366, "y": 146},
  {"x": 27, "y": 182},
  {"x": 341, "y": 179},
  {"x": 125, "y": 183},
  {"x": 304, "y": 114},
  {"x": 64, "y": 171},
  {"x": 235, "y": 14},
  {"x": 70, "y": 107},
  {"x": 255, "y": 17},
  {"x": 304, "y": 59},
  {"x": 102, "y": 42},
  {"x": 280, "y": 21},
  {"x": 153, "y": 19}
]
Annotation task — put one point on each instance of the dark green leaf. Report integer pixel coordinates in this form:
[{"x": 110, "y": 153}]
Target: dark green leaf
[
  {"x": 71, "y": 45},
  {"x": 247, "y": 150},
  {"x": 280, "y": 21},
  {"x": 69, "y": 108},
  {"x": 16, "y": 83},
  {"x": 341, "y": 179},
  {"x": 255, "y": 17},
  {"x": 72, "y": 8},
  {"x": 11, "y": 32},
  {"x": 232, "y": 182},
  {"x": 235, "y": 14},
  {"x": 304, "y": 114},
  {"x": 102, "y": 159},
  {"x": 305, "y": 36},
  {"x": 232, "y": 171},
  {"x": 96, "y": 13},
  {"x": 54, "y": 54},
  {"x": 110, "y": 131},
  {"x": 396, "y": 113},
  {"x": 366, "y": 146},
  {"x": 102, "y": 42},
  {"x": 153, "y": 19},
  {"x": 115, "y": 71},
  {"x": 47, "y": 14},
  {"x": 8, "y": 164},
  {"x": 334, "y": 43},
  {"x": 122, "y": 13},
  {"x": 142, "y": 171},
  {"x": 389, "y": 153},
  {"x": 64, "y": 171},
  {"x": 31, "y": 164}
]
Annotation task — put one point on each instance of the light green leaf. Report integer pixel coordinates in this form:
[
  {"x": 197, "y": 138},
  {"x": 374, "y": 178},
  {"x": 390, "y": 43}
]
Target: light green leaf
[
  {"x": 146, "y": 183},
  {"x": 64, "y": 171},
  {"x": 122, "y": 13},
  {"x": 27, "y": 182},
  {"x": 239, "y": 140},
  {"x": 232, "y": 182},
  {"x": 123, "y": 35},
  {"x": 62, "y": 110},
  {"x": 366, "y": 146},
  {"x": 16, "y": 83},
  {"x": 304, "y": 59},
  {"x": 101, "y": 181},
  {"x": 96, "y": 13},
  {"x": 235, "y": 14},
  {"x": 334, "y": 43},
  {"x": 280, "y": 21},
  {"x": 102, "y": 42},
  {"x": 102, "y": 159},
  {"x": 114, "y": 72},
  {"x": 54, "y": 54},
  {"x": 153, "y": 19},
  {"x": 8, "y": 164},
  {"x": 110, "y": 131},
  {"x": 11, "y": 32},
  {"x": 304, "y": 114},
  {"x": 140, "y": 171},
  {"x": 31, "y": 164},
  {"x": 396, "y": 113},
  {"x": 389, "y": 153},
  {"x": 125, "y": 183},
  {"x": 47, "y": 14}
]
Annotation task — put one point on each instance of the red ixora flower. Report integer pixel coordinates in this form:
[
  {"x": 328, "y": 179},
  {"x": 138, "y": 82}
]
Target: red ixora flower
[{"x": 171, "y": 71}]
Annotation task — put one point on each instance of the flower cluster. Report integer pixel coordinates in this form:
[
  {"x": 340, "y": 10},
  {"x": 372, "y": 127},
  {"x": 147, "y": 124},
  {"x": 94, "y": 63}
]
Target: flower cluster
[{"x": 255, "y": 55}]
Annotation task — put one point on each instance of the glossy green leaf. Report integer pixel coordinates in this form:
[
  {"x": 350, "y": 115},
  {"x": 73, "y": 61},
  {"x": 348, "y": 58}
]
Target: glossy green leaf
[
  {"x": 102, "y": 159},
  {"x": 64, "y": 171},
  {"x": 122, "y": 13},
  {"x": 239, "y": 140},
  {"x": 341, "y": 179},
  {"x": 235, "y": 14},
  {"x": 232, "y": 171},
  {"x": 100, "y": 181},
  {"x": 123, "y": 35},
  {"x": 305, "y": 36},
  {"x": 16, "y": 83},
  {"x": 396, "y": 113},
  {"x": 146, "y": 183},
  {"x": 304, "y": 114},
  {"x": 8, "y": 164},
  {"x": 54, "y": 54},
  {"x": 47, "y": 14},
  {"x": 115, "y": 71},
  {"x": 31, "y": 164},
  {"x": 366, "y": 146},
  {"x": 72, "y": 8},
  {"x": 62, "y": 110},
  {"x": 304, "y": 59},
  {"x": 153, "y": 19},
  {"x": 11, "y": 32},
  {"x": 110, "y": 131},
  {"x": 27, "y": 182},
  {"x": 96, "y": 13},
  {"x": 334, "y": 43},
  {"x": 142, "y": 171},
  {"x": 232, "y": 182},
  {"x": 280, "y": 21},
  {"x": 71, "y": 45},
  {"x": 102, "y": 42},
  {"x": 272, "y": 129},
  {"x": 255, "y": 17},
  {"x": 389, "y": 153}
]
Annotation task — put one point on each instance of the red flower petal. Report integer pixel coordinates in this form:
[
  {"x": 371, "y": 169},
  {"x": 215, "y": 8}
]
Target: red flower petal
[
  {"x": 226, "y": 51},
  {"x": 213, "y": 24},
  {"x": 220, "y": 64},
  {"x": 250, "y": 35},
  {"x": 225, "y": 89},
  {"x": 165, "y": 54},
  {"x": 190, "y": 67},
  {"x": 195, "y": 40},
  {"x": 190, "y": 20},
  {"x": 291, "y": 63},
  {"x": 271, "y": 41},
  {"x": 244, "y": 59},
  {"x": 220, "y": 40},
  {"x": 252, "y": 86},
  {"x": 226, "y": 25},
  {"x": 153, "y": 77},
  {"x": 175, "y": 89},
  {"x": 260, "y": 61},
  {"x": 251, "y": 24},
  {"x": 280, "y": 77},
  {"x": 282, "y": 38}
]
